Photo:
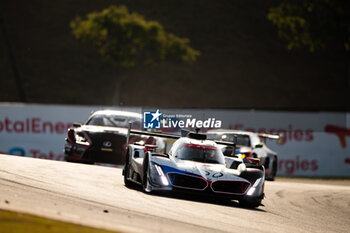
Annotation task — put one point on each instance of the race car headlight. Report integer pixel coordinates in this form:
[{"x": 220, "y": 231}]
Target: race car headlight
[
  {"x": 81, "y": 140},
  {"x": 162, "y": 175}
]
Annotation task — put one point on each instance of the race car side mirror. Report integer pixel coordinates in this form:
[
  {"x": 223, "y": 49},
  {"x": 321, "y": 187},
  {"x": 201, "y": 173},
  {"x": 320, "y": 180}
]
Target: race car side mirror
[
  {"x": 227, "y": 151},
  {"x": 184, "y": 132}
]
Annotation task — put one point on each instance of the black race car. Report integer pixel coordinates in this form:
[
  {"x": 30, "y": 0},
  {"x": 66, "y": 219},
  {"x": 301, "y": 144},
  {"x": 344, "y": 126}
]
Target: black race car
[{"x": 103, "y": 137}]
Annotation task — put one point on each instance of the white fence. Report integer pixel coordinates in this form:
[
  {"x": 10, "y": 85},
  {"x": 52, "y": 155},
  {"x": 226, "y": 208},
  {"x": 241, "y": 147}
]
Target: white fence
[{"x": 314, "y": 144}]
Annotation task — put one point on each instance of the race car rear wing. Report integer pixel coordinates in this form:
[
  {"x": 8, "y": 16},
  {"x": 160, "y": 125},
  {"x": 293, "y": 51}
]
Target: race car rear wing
[
  {"x": 269, "y": 136},
  {"x": 265, "y": 136},
  {"x": 173, "y": 136},
  {"x": 154, "y": 134}
]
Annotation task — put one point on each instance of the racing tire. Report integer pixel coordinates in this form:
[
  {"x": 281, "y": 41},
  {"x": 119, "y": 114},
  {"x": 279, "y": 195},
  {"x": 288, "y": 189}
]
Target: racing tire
[
  {"x": 127, "y": 182},
  {"x": 145, "y": 179},
  {"x": 126, "y": 171},
  {"x": 81, "y": 162},
  {"x": 250, "y": 204},
  {"x": 272, "y": 175}
]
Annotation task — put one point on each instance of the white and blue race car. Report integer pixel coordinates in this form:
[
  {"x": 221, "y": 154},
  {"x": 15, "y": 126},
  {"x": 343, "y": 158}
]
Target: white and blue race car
[{"x": 194, "y": 164}]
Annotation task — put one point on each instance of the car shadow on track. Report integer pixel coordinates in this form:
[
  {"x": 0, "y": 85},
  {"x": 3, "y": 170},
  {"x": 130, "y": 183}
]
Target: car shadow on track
[{"x": 196, "y": 198}]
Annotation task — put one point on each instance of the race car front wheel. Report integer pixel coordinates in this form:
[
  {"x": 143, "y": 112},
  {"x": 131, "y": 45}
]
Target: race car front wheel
[
  {"x": 145, "y": 180},
  {"x": 251, "y": 203},
  {"x": 273, "y": 169},
  {"x": 126, "y": 172},
  {"x": 127, "y": 182}
]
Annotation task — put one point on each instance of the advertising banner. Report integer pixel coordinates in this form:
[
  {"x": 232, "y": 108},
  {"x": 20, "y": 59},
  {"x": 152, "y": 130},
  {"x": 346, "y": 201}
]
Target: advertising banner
[{"x": 315, "y": 144}]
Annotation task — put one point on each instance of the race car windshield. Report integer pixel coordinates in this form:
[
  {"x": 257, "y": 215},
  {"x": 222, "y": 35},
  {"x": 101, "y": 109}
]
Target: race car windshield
[
  {"x": 199, "y": 153},
  {"x": 114, "y": 121},
  {"x": 242, "y": 140}
]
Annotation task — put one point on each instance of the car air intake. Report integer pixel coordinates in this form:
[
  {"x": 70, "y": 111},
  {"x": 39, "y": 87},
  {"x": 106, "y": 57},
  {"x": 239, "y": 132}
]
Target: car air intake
[
  {"x": 187, "y": 181},
  {"x": 230, "y": 187}
]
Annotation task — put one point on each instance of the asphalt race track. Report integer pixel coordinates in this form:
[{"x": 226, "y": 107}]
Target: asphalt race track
[{"x": 96, "y": 196}]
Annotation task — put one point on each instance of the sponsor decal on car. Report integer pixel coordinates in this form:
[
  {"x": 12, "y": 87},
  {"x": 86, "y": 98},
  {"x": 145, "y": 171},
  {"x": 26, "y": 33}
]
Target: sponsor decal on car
[{"x": 107, "y": 143}]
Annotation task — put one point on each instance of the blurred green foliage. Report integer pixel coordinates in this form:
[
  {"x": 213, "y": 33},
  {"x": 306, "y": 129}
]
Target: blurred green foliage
[
  {"x": 127, "y": 39},
  {"x": 315, "y": 24}
]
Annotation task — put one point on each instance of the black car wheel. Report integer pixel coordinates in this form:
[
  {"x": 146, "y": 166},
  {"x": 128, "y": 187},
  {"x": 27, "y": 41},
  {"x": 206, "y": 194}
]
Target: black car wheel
[
  {"x": 127, "y": 182},
  {"x": 126, "y": 171},
  {"x": 251, "y": 203},
  {"x": 271, "y": 176},
  {"x": 145, "y": 178}
]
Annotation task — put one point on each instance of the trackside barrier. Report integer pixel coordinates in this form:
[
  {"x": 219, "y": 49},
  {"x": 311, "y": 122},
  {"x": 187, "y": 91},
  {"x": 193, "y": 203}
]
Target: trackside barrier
[{"x": 315, "y": 144}]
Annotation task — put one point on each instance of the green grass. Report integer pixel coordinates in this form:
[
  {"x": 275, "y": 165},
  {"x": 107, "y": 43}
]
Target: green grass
[{"x": 12, "y": 222}]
